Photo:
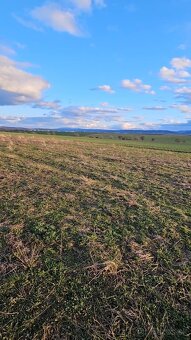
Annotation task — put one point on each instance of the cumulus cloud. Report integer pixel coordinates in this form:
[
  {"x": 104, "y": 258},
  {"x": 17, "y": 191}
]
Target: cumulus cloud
[
  {"x": 181, "y": 63},
  {"x": 178, "y": 73},
  {"x": 60, "y": 20},
  {"x": 137, "y": 86},
  {"x": 179, "y": 77},
  {"x": 105, "y": 88},
  {"x": 18, "y": 86},
  {"x": 174, "y": 76}
]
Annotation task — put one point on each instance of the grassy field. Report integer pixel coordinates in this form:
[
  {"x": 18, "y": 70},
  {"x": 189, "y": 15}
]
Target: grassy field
[
  {"x": 95, "y": 238},
  {"x": 177, "y": 143}
]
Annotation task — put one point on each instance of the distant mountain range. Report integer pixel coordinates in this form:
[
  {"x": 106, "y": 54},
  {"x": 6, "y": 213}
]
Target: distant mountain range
[{"x": 62, "y": 130}]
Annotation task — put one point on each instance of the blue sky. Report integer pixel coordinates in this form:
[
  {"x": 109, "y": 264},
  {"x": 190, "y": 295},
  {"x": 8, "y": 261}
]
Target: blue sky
[{"x": 96, "y": 64}]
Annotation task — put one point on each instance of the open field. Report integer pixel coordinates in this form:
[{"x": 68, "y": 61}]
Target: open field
[
  {"x": 95, "y": 238},
  {"x": 178, "y": 143}
]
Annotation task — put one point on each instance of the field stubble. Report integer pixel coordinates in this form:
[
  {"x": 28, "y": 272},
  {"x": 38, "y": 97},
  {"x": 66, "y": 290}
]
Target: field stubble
[{"x": 95, "y": 240}]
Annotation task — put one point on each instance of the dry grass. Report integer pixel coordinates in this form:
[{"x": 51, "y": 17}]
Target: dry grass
[{"x": 95, "y": 240}]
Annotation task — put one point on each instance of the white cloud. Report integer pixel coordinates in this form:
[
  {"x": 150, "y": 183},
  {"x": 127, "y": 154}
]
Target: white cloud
[
  {"x": 183, "y": 90},
  {"x": 58, "y": 19},
  {"x": 91, "y": 116},
  {"x": 106, "y": 88},
  {"x": 184, "y": 93},
  {"x": 95, "y": 121},
  {"x": 11, "y": 119},
  {"x": 174, "y": 76},
  {"x": 149, "y": 125},
  {"x": 128, "y": 126},
  {"x": 176, "y": 125},
  {"x": 154, "y": 108},
  {"x": 103, "y": 111},
  {"x": 167, "y": 74},
  {"x": 181, "y": 63},
  {"x": 178, "y": 73},
  {"x": 128, "y": 84},
  {"x": 92, "y": 109},
  {"x": 182, "y": 108},
  {"x": 18, "y": 86},
  {"x": 48, "y": 105},
  {"x": 137, "y": 86},
  {"x": 80, "y": 123},
  {"x": 84, "y": 5},
  {"x": 89, "y": 110}
]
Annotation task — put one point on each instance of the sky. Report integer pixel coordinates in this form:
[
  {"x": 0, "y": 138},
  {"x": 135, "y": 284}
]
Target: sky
[{"x": 96, "y": 64}]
